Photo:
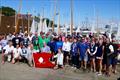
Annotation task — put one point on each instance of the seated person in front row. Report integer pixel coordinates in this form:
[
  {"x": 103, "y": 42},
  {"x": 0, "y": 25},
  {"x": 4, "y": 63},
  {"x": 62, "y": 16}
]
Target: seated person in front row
[
  {"x": 45, "y": 48},
  {"x": 7, "y": 52},
  {"x": 24, "y": 54},
  {"x": 27, "y": 54},
  {"x": 16, "y": 54}
]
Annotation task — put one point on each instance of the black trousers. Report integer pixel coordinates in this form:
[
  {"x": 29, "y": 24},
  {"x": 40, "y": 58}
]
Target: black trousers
[
  {"x": 66, "y": 53},
  {"x": 74, "y": 61}
]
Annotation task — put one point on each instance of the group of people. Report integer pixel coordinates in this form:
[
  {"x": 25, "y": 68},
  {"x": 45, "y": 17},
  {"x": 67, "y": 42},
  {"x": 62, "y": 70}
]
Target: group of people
[{"x": 93, "y": 53}]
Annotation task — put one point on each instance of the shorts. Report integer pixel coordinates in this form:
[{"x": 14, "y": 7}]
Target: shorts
[
  {"x": 16, "y": 55},
  {"x": 109, "y": 61},
  {"x": 114, "y": 61},
  {"x": 99, "y": 58},
  {"x": 83, "y": 58},
  {"x": 92, "y": 57},
  {"x": 6, "y": 53}
]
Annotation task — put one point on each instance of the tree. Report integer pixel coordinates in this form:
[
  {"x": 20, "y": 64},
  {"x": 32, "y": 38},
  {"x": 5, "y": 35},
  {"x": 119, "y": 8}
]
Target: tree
[{"x": 7, "y": 11}]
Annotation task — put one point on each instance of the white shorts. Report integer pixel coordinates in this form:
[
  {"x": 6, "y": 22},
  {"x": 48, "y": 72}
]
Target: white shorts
[
  {"x": 6, "y": 52},
  {"x": 16, "y": 55}
]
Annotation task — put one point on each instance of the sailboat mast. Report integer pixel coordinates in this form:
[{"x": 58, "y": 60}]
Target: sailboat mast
[
  {"x": 58, "y": 22},
  {"x": 71, "y": 26},
  {"x": 28, "y": 22},
  {"x": 42, "y": 20},
  {"x": 97, "y": 21},
  {"x": 54, "y": 15},
  {"x": 0, "y": 15},
  {"x": 17, "y": 20},
  {"x": 58, "y": 26}
]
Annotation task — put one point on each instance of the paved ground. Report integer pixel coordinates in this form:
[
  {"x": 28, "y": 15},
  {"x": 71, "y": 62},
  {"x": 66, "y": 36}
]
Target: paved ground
[{"x": 21, "y": 71}]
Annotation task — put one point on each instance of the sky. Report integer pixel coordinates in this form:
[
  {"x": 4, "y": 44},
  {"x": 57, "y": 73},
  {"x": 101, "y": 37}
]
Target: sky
[{"x": 82, "y": 9}]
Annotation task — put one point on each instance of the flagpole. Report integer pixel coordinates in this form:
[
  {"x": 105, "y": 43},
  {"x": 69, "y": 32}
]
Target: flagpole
[
  {"x": 71, "y": 27},
  {"x": 17, "y": 20}
]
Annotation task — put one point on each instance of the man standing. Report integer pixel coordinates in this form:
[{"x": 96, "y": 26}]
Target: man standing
[
  {"x": 92, "y": 51},
  {"x": 83, "y": 47},
  {"x": 109, "y": 50}
]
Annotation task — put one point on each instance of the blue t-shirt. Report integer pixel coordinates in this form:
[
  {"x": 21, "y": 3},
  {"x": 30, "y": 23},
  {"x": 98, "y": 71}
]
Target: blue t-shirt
[
  {"x": 58, "y": 45},
  {"x": 82, "y": 48}
]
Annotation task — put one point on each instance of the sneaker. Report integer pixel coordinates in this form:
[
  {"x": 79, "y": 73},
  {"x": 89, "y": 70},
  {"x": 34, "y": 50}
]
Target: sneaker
[
  {"x": 74, "y": 68},
  {"x": 99, "y": 74},
  {"x": 66, "y": 65}
]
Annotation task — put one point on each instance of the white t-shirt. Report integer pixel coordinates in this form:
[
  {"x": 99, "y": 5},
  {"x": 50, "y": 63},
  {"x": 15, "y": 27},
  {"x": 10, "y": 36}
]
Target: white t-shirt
[
  {"x": 66, "y": 46},
  {"x": 17, "y": 52},
  {"x": 8, "y": 49},
  {"x": 59, "y": 57}
]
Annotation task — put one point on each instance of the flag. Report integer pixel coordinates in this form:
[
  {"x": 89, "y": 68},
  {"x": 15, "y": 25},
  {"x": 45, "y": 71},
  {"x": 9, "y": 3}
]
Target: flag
[{"x": 42, "y": 60}]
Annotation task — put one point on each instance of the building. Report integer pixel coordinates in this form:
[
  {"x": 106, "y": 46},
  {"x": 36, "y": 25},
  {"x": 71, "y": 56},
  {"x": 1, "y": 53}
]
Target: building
[{"x": 8, "y": 23}]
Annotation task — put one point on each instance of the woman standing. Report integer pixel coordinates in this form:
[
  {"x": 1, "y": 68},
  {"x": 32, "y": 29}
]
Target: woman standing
[
  {"x": 99, "y": 55},
  {"x": 92, "y": 51}
]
